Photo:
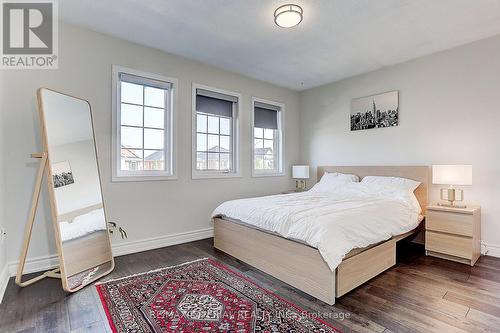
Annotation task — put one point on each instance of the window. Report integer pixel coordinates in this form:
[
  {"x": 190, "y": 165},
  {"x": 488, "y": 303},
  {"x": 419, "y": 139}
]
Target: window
[
  {"x": 143, "y": 108},
  {"x": 267, "y": 138},
  {"x": 215, "y": 118}
]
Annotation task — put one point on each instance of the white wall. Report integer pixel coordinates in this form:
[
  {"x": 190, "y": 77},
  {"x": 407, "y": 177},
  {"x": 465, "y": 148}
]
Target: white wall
[
  {"x": 145, "y": 209},
  {"x": 3, "y": 257},
  {"x": 85, "y": 191},
  {"x": 449, "y": 114}
]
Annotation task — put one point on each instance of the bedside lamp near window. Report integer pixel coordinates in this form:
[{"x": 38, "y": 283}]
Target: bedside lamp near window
[
  {"x": 452, "y": 175},
  {"x": 300, "y": 173}
]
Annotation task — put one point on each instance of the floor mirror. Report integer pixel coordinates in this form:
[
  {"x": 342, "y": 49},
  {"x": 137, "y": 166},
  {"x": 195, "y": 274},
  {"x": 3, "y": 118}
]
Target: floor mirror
[{"x": 70, "y": 165}]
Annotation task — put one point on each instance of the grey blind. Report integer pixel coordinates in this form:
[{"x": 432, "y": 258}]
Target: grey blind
[
  {"x": 266, "y": 115},
  {"x": 216, "y": 104},
  {"x": 143, "y": 81},
  {"x": 213, "y": 94}
]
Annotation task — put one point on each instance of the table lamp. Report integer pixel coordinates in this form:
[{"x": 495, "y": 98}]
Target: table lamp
[
  {"x": 300, "y": 173},
  {"x": 452, "y": 175}
]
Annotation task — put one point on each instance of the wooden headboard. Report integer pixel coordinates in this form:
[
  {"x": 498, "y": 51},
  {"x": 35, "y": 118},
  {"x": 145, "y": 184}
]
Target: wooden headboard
[{"x": 419, "y": 173}]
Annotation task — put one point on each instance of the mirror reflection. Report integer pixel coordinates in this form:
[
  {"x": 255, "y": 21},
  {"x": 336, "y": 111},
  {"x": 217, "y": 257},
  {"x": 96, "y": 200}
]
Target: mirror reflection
[{"x": 81, "y": 222}]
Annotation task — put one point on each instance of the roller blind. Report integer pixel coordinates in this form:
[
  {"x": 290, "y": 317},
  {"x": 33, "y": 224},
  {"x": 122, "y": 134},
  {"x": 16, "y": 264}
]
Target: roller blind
[
  {"x": 266, "y": 115},
  {"x": 215, "y": 103},
  {"x": 143, "y": 81}
]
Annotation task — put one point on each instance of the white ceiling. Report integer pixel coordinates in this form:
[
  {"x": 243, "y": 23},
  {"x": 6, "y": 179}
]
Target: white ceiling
[{"x": 336, "y": 39}]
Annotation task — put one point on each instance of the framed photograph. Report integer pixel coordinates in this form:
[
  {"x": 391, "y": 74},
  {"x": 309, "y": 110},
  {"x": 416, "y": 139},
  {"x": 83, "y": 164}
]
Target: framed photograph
[
  {"x": 62, "y": 174},
  {"x": 375, "y": 111}
]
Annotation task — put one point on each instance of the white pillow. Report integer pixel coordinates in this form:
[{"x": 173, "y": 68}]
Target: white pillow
[
  {"x": 399, "y": 182},
  {"x": 332, "y": 180}
]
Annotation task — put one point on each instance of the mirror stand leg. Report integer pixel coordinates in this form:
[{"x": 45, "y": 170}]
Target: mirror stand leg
[
  {"x": 29, "y": 227},
  {"x": 51, "y": 274}
]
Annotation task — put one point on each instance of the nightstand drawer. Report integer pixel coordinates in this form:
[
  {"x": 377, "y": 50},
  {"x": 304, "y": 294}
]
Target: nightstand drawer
[
  {"x": 449, "y": 244},
  {"x": 453, "y": 223}
]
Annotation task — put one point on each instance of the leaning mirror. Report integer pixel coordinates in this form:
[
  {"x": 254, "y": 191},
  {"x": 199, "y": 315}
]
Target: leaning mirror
[{"x": 75, "y": 189}]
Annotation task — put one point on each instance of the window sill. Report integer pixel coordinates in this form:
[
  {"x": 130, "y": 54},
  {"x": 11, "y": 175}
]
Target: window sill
[
  {"x": 214, "y": 175},
  {"x": 267, "y": 174},
  {"x": 119, "y": 179}
]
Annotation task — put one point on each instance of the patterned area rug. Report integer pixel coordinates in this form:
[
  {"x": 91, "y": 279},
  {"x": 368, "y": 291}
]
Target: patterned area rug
[{"x": 200, "y": 296}]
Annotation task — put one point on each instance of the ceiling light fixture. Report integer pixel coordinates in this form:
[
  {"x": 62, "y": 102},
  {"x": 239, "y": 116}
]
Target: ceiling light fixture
[{"x": 288, "y": 16}]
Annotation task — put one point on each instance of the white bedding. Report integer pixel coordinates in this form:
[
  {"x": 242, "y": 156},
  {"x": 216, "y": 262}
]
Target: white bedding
[
  {"x": 350, "y": 216},
  {"x": 83, "y": 225}
]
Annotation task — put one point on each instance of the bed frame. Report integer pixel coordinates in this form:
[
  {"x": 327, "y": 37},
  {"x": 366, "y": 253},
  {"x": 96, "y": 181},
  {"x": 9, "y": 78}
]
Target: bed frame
[{"x": 302, "y": 266}]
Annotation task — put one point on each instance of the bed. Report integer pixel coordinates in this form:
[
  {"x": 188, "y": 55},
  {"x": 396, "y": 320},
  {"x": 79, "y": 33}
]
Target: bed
[
  {"x": 84, "y": 228},
  {"x": 73, "y": 227},
  {"x": 302, "y": 265}
]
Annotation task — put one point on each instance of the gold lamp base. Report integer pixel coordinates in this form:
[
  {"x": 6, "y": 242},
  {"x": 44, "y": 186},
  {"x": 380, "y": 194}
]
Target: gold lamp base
[
  {"x": 452, "y": 196},
  {"x": 300, "y": 185}
]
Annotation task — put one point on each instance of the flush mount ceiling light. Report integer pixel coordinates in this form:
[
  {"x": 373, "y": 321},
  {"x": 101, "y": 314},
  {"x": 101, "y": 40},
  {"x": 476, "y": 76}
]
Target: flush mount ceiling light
[{"x": 288, "y": 16}]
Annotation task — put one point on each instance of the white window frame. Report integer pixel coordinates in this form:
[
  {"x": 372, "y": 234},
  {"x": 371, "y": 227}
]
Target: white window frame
[
  {"x": 236, "y": 126},
  {"x": 170, "y": 147},
  {"x": 280, "y": 170}
]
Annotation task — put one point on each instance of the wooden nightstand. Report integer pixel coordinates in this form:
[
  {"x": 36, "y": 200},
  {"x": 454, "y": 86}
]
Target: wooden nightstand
[{"x": 453, "y": 233}]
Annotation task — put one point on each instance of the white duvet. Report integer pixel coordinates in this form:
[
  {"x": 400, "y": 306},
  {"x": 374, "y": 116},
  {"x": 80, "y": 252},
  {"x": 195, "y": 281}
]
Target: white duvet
[
  {"x": 83, "y": 225},
  {"x": 351, "y": 216}
]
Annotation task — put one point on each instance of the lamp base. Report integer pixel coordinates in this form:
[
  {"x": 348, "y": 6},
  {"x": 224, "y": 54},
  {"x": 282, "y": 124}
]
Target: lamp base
[
  {"x": 452, "y": 196},
  {"x": 300, "y": 185}
]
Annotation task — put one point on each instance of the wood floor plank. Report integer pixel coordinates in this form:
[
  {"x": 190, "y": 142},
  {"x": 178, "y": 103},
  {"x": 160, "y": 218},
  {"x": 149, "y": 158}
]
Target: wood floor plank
[
  {"x": 418, "y": 313},
  {"x": 96, "y": 327},
  {"x": 377, "y": 310},
  {"x": 420, "y": 273},
  {"x": 484, "y": 318},
  {"x": 486, "y": 273},
  {"x": 53, "y": 317},
  {"x": 485, "y": 286},
  {"x": 395, "y": 280},
  {"x": 81, "y": 308},
  {"x": 488, "y": 261},
  {"x": 433, "y": 313},
  {"x": 474, "y": 303},
  {"x": 430, "y": 299}
]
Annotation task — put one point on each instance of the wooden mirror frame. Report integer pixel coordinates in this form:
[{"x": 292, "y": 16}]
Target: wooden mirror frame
[{"x": 45, "y": 169}]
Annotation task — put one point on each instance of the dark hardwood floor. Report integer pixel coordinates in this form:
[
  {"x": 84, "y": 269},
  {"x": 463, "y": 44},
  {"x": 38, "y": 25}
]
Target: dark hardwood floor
[{"x": 419, "y": 294}]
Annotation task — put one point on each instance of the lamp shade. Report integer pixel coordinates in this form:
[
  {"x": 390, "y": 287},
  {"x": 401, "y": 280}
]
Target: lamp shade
[
  {"x": 300, "y": 171},
  {"x": 452, "y": 174}
]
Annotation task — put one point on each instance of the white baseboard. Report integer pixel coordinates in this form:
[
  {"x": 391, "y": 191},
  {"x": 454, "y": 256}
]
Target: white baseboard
[
  {"x": 490, "y": 249},
  {"x": 36, "y": 264},
  {"x": 47, "y": 262},
  {"x": 4, "y": 280},
  {"x": 121, "y": 249}
]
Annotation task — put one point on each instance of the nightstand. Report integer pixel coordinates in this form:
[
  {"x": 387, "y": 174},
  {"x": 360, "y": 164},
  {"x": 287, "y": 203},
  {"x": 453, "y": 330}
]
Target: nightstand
[{"x": 453, "y": 233}]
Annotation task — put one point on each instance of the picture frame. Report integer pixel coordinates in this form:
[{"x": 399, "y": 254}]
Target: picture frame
[
  {"x": 375, "y": 111},
  {"x": 62, "y": 174}
]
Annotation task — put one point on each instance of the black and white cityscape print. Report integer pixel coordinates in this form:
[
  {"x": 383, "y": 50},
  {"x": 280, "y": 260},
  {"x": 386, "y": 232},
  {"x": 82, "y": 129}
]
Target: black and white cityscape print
[
  {"x": 375, "y": 111},
  {"x": 62, "y": 174}
]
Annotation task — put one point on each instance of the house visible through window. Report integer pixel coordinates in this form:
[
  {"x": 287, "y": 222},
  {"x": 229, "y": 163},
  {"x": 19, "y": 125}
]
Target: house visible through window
[
  {"x": 267, "y": 158},
  {"x": 215, "y": 132},
  {"x": 144, "y": 126}
]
